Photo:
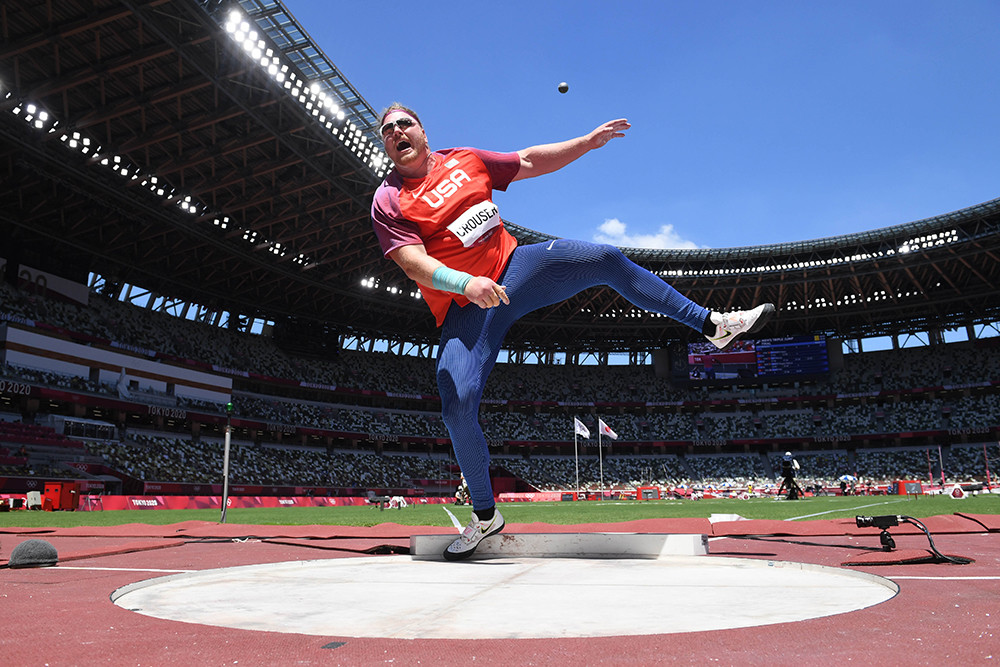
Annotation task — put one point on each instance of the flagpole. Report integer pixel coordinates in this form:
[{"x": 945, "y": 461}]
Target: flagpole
[
  {"x": 225, "y": 461},
  {"x": 600, "y": 457},
  {"x": 576, "y": 457}
]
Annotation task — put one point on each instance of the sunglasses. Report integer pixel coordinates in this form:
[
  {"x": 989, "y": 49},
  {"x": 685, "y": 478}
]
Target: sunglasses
[{"x": 402, "y": 123}]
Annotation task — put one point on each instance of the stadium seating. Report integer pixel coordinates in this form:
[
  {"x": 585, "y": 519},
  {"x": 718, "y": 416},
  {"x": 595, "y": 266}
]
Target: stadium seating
[{"x": 380, "y": 405}]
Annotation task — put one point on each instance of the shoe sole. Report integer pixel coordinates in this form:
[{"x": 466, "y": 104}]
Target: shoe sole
[
  {"x": 764, "y": 318},
  {"x": 452, "y": 556}
]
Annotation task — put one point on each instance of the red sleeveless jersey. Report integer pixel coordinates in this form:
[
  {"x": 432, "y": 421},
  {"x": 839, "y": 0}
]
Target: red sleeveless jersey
[{"x": 451, "y": 212}]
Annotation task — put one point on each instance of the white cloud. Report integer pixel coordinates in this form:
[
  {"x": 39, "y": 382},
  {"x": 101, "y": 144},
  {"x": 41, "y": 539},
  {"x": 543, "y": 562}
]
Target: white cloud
[{"x": 615, "y": 232}]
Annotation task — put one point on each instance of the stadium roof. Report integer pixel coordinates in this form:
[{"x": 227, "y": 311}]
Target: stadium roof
[{"x": 209, "y": 151}]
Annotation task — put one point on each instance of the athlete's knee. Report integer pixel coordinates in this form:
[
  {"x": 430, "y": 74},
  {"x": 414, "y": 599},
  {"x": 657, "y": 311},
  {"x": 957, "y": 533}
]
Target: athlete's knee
[
  {"x": 613, "y": 250},
  {"x": 599, "y": 251},
  {"x": 607, "y": 253},
  {"x": 455, "y": 411},
  {"x": 458, "y": 401}
]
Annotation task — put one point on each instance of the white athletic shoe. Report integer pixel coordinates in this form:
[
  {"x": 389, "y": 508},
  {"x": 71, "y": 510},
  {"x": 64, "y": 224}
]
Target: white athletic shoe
[
  {"x": 739, "y": 323},
  {"x": 473, "y": 534}
]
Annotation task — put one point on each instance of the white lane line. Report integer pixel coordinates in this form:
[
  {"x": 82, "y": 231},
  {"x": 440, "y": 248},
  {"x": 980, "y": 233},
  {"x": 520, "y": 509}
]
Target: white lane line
[
  {"x": 849, "y": 509},
  {"x": 458, "y": 526}
]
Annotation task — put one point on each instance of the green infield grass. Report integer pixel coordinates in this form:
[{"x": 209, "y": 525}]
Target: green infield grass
[{"x": 805, "y": 509}]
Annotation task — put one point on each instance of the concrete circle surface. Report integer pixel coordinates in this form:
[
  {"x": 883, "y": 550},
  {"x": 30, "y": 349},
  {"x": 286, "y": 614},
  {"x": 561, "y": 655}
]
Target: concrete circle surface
[{"x": 396, "y": 597}]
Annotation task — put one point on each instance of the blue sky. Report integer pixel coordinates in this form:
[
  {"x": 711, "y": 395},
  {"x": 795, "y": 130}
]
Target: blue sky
[{"x": 752, "y": 122}]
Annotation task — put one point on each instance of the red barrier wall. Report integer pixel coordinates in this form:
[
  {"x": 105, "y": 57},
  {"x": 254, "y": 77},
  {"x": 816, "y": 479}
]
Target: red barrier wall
[{"x": 97, "y": 503}]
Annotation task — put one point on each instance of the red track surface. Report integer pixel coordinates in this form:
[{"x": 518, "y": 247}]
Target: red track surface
[{"x": 944, "y": 613}]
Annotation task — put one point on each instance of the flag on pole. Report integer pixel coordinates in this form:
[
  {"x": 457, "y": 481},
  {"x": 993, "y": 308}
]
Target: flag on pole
[
  {"x": 606, "y": 430},
  {"x": 580, "y": 428}
]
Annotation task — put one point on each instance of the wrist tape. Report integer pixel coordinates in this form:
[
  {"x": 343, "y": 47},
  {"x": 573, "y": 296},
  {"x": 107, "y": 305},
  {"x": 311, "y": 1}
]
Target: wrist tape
[{"x": 450, "y": 280}]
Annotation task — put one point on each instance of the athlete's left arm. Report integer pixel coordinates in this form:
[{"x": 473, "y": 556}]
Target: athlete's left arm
[{"x": 546, "y": 158}]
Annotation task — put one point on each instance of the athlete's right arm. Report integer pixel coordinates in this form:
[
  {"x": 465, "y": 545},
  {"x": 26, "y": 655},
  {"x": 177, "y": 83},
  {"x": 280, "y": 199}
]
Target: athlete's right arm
[{"x": 420, "y": 267}]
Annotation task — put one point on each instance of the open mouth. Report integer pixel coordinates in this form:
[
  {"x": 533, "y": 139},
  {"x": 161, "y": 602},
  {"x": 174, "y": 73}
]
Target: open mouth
[{"x": 402, "y": 145}]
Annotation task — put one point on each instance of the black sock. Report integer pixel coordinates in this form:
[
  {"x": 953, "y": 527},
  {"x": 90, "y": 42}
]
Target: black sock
[
  {"x": 708, "y": 328},
  {"x": 485, "y": 515}
]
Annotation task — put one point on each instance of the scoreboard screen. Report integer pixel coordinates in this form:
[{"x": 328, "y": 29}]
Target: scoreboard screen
[
  {"x": 792, "y": 355},
  {"x": 784, "y": 357}
]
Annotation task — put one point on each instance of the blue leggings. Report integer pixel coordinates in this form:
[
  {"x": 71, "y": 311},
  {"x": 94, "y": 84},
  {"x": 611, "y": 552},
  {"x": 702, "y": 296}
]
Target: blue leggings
[{"x": 537, "y": 275}]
